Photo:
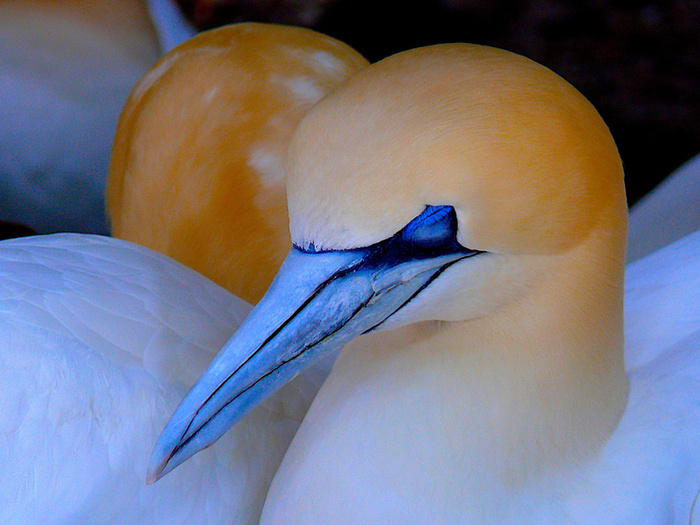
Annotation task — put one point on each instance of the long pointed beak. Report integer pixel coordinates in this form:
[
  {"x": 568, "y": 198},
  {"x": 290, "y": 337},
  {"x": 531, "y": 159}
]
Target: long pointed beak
[{"x": 317, "y": 303}]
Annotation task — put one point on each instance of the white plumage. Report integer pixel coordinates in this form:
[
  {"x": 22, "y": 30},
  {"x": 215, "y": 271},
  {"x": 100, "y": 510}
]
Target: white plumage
[
  {"x": 666, "y": 214},
  {"x": 99, "y": 340},
  {"x": 66, "y": 70}
]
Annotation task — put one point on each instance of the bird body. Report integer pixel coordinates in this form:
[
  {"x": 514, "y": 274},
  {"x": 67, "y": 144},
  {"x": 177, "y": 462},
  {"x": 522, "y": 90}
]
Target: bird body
[
  {"x": 668, "y": 213},
  {"x": 99, "y": 339}
]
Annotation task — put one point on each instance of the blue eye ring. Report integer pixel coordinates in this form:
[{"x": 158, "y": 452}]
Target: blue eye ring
[
  {"x": 434, "y": 229},
  {"x": 431, "y": 216}
]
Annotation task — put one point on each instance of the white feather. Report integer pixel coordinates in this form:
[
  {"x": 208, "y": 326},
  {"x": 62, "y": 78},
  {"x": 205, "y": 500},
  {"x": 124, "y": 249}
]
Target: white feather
[{"x": 99, "y": 340}]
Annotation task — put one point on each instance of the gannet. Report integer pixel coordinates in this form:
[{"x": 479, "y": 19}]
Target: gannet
[
  {"x": 199, "y": 150},
  {"x": 458, "y": 221}
]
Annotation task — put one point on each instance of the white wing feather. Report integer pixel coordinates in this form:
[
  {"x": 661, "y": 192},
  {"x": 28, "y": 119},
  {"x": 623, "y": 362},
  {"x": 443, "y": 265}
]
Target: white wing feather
[{"x": 99, "y": 340}]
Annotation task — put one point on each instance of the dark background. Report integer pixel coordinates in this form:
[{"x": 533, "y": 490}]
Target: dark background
[{"x": 638, "y": 62}]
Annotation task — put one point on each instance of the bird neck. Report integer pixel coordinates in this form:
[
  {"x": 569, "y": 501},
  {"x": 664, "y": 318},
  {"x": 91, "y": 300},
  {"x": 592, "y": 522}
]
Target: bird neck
[{"x": 541, "y": 378}]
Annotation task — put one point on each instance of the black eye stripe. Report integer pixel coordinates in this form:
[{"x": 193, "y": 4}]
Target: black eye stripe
[{"x": 432, "y": 233}]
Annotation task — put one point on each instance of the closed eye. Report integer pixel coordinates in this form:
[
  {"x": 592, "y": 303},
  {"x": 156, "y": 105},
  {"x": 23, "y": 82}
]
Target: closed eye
[{"x": 433, "y": 231}]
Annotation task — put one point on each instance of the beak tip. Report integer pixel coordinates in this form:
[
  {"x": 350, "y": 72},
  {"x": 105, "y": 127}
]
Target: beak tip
[
  {"x": 158, "y": 467},
  {"x": 151, "y": 478},
  {"x": 153, "y": 474}
]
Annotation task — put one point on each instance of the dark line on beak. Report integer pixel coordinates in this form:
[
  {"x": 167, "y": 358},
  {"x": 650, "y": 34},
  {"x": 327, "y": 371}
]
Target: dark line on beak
[
  {"x": 273, "y": 370},
  {"x": 311, "y": 297},
  {"x": 427, "y": 283}
]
